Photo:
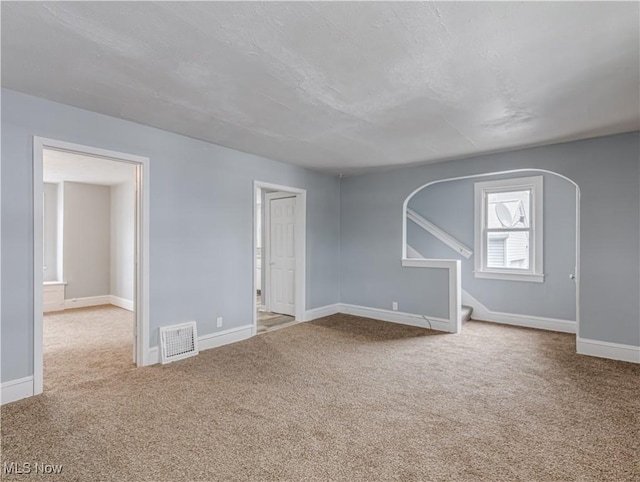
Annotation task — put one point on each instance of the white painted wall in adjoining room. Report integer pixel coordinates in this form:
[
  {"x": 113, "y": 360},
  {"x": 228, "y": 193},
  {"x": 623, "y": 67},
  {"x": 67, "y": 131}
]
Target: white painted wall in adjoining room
[
  {"x": 50, "y": 267},
  {"x": 87, "y": 239},
  {"x": 123, "y": 240}
]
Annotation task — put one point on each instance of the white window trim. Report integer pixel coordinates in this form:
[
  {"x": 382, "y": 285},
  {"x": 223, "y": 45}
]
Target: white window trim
[{"x": 535, "y": 273}]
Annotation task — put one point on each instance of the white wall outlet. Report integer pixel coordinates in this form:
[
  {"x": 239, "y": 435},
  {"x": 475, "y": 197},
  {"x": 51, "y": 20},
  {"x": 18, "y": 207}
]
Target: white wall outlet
[
  {"x": 219, "y": 321},
  {"x": 394, "y": 306}
]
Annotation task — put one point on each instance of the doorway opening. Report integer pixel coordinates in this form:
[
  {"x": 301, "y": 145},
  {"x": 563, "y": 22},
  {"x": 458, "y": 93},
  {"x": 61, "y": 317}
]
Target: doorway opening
[
  {"x": 566, "y": 213},
  {"x": 279, "y": 256},
  {"x": 90, "y": 263}
]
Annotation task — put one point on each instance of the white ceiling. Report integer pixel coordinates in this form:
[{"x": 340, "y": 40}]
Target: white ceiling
[
  {"x": 340, "y": 87},
  {"x": 66, "y": 166}
]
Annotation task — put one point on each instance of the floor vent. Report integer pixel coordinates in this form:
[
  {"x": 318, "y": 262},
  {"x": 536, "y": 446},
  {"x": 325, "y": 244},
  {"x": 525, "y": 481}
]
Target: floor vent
[{"x": 179, "y": 341}]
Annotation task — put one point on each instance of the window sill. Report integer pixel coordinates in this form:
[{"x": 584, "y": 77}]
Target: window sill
[{"x": 528, "y": 277}]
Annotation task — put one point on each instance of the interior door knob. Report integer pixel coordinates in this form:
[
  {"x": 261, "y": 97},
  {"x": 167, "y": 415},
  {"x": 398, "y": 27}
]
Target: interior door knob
[{"x": 572, "y": 276}]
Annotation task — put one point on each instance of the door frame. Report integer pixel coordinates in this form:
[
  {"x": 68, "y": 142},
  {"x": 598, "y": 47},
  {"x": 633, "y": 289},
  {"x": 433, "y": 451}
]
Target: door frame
[
  {"x": 266, "y": 252},
  {"x": 300, "y": 246},
  {"x": 141, "y": 295}
]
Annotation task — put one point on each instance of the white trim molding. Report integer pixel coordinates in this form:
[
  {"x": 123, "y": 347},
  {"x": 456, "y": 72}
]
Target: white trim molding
[
  {"x": 211, "y": 340},
  {"x": 322, "y": 311},
  {"x": 15, "y": 390},
  {"x": 509, "y": 276},
  {"x": 482, "y": 313},
  {"x": 141, "y": 302},
  {"x": 97, "y": 301},
  {"x": 440, "y": 234},
  {"x": 405, "y": 205},
  {"x": 411, "y": 319},
  {"x": 455, "y": 287},
  {"x": 86, "y": 302},
  {"x": 605, "y": 349},
  {"x": 533, "y": 184},
  {"x": 413, "y": 253},
  {"x": 121, "y": 302},
  {"x": 300, "y": 248},
  {"x": 53, "y": 296}
]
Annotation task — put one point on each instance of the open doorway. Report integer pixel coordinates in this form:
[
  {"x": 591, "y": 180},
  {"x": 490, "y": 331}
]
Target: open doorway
[
  {"x": 503, "y": 279},
  {"x": 89, "y": 213},
  {"x": 90, "y": 271},
  {"x": 279, "y": 270}
]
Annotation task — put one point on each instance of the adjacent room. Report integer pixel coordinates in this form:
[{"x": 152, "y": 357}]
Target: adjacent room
[
  {"x": 89, "y": 213},
  {"x": 332, "y": 241},
  {"x": 276, "y": 258}
]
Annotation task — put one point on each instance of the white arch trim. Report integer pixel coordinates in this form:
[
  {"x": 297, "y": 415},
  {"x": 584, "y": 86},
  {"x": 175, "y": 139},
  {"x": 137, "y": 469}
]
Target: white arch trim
[{"x": 500, "y": 173}]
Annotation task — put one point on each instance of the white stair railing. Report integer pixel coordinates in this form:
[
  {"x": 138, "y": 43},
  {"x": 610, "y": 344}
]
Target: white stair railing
[{"x": 440, "y": 234}]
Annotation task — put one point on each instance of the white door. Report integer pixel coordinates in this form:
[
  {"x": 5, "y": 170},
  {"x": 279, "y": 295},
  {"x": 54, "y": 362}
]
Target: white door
[{"x": 282, "y": 259}]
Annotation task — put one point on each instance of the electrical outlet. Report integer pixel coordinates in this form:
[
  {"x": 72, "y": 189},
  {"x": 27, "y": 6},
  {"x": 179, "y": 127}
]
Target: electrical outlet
[
  {"x": 394, "y": 306},
  {"x": 219, "y": 321}
]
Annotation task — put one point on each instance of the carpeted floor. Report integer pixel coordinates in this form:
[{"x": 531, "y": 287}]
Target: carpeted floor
[
  {"x": 85, "y": 344},
  {"x": 349, "y": 399}
]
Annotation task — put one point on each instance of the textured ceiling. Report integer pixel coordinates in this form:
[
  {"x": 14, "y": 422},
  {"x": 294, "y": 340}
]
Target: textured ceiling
[{"x": 340, "y": 87}]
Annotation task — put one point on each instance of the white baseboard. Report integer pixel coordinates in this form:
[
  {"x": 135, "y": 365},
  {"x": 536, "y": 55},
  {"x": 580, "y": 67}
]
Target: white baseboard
[
  {"x": 14, "y": 390},
  {"x": 98, "y": 301},
  {"x": 604, "y": 349},
  {"x": 52, "y": 296},
  {"x": 88, "y": 301},
  {"x": 321, "y": 312},
  {"x": 482, "y": 313},
  {"x": 441, "y": 324},
  {"x": 226, "y": 337},
  {"x": 52, "y": 306},
  {"x": 211, "y": 340},
  {"x": 121, "y": 302},
  {"x": 152, "y": 356}
]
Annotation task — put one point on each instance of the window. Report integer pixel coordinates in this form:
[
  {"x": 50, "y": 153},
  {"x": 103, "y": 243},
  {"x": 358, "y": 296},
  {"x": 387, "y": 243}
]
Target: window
[{"x": 508, "y": 229}]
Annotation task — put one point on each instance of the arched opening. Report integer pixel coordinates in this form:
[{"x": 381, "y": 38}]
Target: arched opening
[{"x": 441, "y": 221}]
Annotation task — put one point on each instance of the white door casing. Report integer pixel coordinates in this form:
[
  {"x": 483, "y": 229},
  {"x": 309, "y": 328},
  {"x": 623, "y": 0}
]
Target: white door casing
[
  {"x": 141, "y": 352},
  {"x": 300, "y": 245},
  {"x": 282, "y": 256}
]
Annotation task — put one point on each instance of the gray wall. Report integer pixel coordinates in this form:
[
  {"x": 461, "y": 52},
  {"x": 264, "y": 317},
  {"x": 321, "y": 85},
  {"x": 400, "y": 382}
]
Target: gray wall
[
  {"x": 87, "y": 255},
  {"x": 201, "y": 226},
  {"x": 450, "y": 206},
  {"x": 50, "y": 258},
  {"x": 87, "y": 239},
  {"x": 123, "y": 205},
  {"x": 201, "y": 210},
  {"x": 607, "y": 171}
]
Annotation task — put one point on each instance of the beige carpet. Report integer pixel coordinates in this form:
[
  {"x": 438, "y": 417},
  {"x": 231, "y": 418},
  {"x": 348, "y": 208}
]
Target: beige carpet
[
  {"x": 350, "y": 399},
  {"x": 86, "y": 344}
]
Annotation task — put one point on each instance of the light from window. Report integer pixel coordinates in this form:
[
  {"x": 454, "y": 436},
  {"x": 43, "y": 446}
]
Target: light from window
[{"x": 509, "y": 229}]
